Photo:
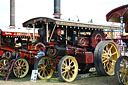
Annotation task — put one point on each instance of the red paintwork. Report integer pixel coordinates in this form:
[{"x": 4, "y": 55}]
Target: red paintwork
[
  {"x": 1, "y": 52},
  {"x": 7, "y": 48},
  {"x": 83, "y": 41},
  {"x": 119, "y": 11},
  {"x": 83, "y": 57},
  {"x": 89, "y": 58},
  {"x": 19, "y": 34},
  {"x": 70, "y": 51},
  {"x": 24, "y": 55}
]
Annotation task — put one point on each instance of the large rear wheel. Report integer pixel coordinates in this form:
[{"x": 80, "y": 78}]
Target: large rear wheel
[
  {"x": 44, "y": 67},
  {"x": 121, "y": 70},
  {"x": 106, "y": 56},
  {"x": 68, "y": 68}
]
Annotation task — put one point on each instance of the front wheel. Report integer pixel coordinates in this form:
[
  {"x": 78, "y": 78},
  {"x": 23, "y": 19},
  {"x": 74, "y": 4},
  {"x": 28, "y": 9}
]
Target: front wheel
[
  {"x": 21, "y": 68},
  {"x": 121, "y": 70},
  {"x": 68, "y": 68},
  {"x": 44, "y": 67},
  {"x": 3, "y": 64}
]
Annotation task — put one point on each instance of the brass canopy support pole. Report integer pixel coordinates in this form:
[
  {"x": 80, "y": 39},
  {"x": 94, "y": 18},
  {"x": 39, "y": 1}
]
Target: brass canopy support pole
[
  {"x": 66, "y": 35},
  {"x": 47, "y": 32},
  {"x": 111, "y": 34},
  {"x": 29, "y": 32},
  {"x": 52, "y": 32},
  {"x": 121, "y": 25},
  {"x": 33, "y": 32}
]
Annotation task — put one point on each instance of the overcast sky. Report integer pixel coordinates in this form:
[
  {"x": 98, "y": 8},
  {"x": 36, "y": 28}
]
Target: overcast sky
[{"x": 84, "y": 9}]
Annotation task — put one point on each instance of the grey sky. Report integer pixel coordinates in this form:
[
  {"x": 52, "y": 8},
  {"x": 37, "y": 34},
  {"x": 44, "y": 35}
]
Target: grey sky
[{"x": 84, "y": 9}]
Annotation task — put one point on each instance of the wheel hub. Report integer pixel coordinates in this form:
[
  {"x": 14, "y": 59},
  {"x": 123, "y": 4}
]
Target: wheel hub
[
  {"x": 67, "y": 68},
  {"x": 43, "y": 67}
]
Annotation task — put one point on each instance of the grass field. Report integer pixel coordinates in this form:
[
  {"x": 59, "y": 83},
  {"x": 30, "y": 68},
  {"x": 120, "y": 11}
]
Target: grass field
[{"x": 91, "y": 80}]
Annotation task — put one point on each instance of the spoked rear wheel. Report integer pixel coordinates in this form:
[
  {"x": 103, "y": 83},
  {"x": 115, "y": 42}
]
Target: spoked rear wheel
[
  {"x": 44, "y": 67},
  {"x": 21, "y": 68},
  {"x": 105, "y": 57},
  {"x": 121, "y": 70},
  {"x": 68, "y": 68}
]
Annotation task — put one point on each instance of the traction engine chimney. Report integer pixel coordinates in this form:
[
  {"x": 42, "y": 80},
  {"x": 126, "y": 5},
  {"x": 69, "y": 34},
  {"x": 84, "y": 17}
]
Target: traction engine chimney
[
  {"x": 12, "y": 14},
  {"x": 57, "y": 13}
]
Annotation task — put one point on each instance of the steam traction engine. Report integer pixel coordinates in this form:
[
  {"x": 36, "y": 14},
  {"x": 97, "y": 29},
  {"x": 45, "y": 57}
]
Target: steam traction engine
[
  {"x": 71, "y": 45},
  {"x": 120, "y": 15},
  {"x": 17, "y": 52}
]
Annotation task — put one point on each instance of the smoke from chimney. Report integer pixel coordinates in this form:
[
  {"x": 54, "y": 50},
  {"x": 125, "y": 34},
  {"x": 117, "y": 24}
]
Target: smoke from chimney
[
  {"x": 57, "y": 9},
  {"x": 12, "y": 14}
]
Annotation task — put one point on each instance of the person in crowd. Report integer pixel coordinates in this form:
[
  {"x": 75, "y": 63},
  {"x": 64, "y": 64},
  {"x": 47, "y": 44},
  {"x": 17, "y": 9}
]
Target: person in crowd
[{"x": 40, "y": 53}]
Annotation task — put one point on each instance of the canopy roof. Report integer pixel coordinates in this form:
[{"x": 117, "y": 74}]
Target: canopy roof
[
  {"x": 115, "y": 14},
  {"x": 38, "y": 21}
]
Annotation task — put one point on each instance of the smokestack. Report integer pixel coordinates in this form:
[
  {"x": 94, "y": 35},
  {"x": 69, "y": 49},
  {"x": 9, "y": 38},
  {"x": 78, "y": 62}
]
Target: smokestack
[
  {"x": 12, "y": 14},
  {"x": 57, "y": 13}
]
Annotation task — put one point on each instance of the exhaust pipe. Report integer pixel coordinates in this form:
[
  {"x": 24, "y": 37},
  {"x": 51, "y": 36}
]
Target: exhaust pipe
[
  {"x": 12, "y": 14},
  {"x": 57, "y": 9}
]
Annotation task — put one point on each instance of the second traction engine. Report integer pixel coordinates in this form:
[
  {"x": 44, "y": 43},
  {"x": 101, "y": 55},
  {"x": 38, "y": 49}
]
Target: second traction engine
[{"x": 70, "y": 46}]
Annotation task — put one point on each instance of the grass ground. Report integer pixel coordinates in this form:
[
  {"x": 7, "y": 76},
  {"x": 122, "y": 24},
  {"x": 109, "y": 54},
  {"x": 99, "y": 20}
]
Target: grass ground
[{"x": 92, "y": 80}]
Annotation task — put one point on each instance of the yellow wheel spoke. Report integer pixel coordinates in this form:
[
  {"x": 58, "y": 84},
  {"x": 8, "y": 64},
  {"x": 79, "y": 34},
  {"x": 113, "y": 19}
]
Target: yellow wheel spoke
[
  {"x": 23, "y": 64},
  {"x": 123, "y": 79},
  {"x": 104, "y": 56},
  {"x": 63, "y": 68},
  {"x": 69, "y": 75},
  {"x": 24, "y": 68},
  {"x": 72, "y": 66},
  {"x": 71, "y": 72},
  {"x": 107, "y": 47},
  {"x": 105, "y": 65},
  {"x": 40, "y": 71},
  {"x": 47, "y": 72},
  {"x": 65, "y": 62},
  {"x": 18, "y": 62},
  {"x": 42, "y": 62},
  {"x": 64, "y": 72},
  {"x": 39, "y": 65},
  {"x": 114, "y": 61},
  {"x": 121, "y": 70},
  {"x": 105, "y": 61},
  {"x": 38, "y": 68},
  {"x": 113, "y": 53},
  {"x": 43, "y": 72},
  {"x": 104, "y": 51},
  {"x": 110, "y": 48},
  {"x": 69, "y": 61}
]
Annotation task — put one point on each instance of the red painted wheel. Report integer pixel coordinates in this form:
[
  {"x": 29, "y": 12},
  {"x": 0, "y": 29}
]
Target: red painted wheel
[
  {"x": 97, "y": 36},
  {"x": 52, "y": 52}
]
